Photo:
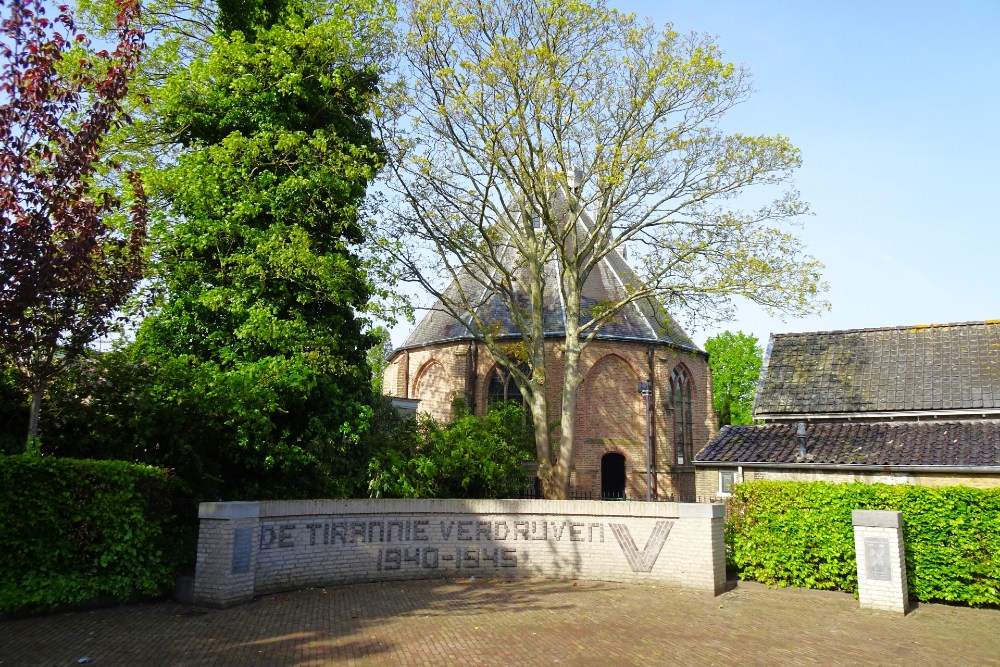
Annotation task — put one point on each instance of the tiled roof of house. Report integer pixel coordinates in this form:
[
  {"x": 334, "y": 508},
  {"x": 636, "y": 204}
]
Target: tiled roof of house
[
  {"x": 898, "y": 369},
  {"x": 935, "y": 443},
  {"x": 643, "y": 321}
]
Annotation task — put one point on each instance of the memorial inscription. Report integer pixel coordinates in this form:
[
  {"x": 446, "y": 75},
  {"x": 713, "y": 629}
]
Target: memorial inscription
[
  {"x": 242, "y": 550},
  {"x": 336, "y": 532},
  {"x": 877, "y": 565},
  {"x": 289, "y": 535}
]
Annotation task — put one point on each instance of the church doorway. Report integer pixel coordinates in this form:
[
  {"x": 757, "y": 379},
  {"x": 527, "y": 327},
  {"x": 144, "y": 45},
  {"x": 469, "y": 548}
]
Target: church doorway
[{"x": 613, "y": 476}]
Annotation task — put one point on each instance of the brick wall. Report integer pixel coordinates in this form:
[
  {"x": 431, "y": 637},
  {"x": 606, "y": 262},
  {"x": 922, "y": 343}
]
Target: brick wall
[
  {"x": 610, "y": 411},
  {"x": 435, "y": 375},
  {"x": 319, "y": 542}
]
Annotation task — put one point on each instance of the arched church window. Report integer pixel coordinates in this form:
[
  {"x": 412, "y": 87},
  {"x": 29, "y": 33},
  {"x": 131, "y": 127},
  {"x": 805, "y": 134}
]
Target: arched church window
[
  {"x": 680, "y": 403},
  {"x": 502, "y": 387}
]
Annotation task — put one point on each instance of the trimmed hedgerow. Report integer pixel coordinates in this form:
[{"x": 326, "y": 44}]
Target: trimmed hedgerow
[
  {"x": 800, "y": 534},
  {"x": 74, "y": 530}
]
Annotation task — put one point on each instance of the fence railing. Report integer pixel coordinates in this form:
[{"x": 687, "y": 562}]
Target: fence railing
[{"x": 533, "y": 493}]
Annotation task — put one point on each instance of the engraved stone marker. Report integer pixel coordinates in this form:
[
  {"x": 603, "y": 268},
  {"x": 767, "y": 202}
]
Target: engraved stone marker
[
  {"x": 878, "y": 544},
  {"x": 242, "y": 538},
  {"x": 877, "y": 558}
]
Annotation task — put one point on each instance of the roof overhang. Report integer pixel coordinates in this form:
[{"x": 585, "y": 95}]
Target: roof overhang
[
  {"x": 550, "y": 335},
  {"x": 910, "y": 415},
  {"x": 841, "y": 467}
]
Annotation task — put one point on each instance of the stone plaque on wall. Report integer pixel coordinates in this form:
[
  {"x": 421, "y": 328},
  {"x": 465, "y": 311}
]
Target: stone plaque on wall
[
  {"x": 242, "y": 542},
  {"x": 877, "y": 559}
]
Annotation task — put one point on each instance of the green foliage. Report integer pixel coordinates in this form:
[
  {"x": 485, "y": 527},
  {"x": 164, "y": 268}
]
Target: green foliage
[
  {"x": 378, "y": 357},
  {"x": 473, "y": 457},
  {"x": 800, "y": 534},
  {"x": 76, "y": 529},
  {"x": 257, "y": 334},
  {"x": 736, "y": 360},
  {"x": 14, "y": 408},
  {"x": 176, "y": 413}
]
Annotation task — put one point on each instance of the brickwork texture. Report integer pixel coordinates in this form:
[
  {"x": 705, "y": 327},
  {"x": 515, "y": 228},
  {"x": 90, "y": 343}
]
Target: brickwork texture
[
  {"x": 611, "y": 414},
  {"x": 297, "y": 544}
]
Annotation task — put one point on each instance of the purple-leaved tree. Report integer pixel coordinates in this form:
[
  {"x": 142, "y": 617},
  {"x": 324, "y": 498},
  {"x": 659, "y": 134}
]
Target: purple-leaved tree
[{"x": 70, "y": 255}]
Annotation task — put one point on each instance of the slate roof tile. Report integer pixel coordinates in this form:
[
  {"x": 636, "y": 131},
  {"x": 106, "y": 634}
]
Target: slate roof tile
[
  {"x": 643, "y": 321},
  {"x": 895, "y": 369},
  {"x": 974, "y": 444}
]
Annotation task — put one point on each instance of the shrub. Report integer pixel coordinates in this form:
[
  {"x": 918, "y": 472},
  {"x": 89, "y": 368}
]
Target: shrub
[
  {"x": 13, "y": 412},
  {"x": 78, "y": 529},
  {"x": 800, "y": 534},
  {"x": 473, "y": 457},
  {"x": 214, "y": 433}
]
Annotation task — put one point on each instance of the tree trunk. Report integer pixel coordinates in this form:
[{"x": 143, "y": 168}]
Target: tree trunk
[
  {"x": 567, "y": 412},
  {"x": 38, "y": 388}
]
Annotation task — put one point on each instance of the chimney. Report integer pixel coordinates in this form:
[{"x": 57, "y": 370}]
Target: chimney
[
  {"x": 800, "y": 437},
  {"x": 574, "y": 179}
]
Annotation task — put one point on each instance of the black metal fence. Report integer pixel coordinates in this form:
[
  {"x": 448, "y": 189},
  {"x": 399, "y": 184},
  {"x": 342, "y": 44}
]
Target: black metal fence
[{"x": 534, "y": 493}]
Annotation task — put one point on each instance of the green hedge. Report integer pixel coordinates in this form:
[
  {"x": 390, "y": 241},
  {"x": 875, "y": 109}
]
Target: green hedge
[
  {"x": 74, "y": 530},
  {"x": 800, "y": 534}
]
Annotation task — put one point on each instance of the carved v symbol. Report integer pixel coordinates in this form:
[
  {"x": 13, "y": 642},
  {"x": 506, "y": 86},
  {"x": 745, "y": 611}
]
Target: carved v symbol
[{"x": 642, "y": 562}]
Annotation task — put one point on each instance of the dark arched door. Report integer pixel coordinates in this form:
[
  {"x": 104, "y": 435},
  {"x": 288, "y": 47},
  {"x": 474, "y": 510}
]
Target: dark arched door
[{"x": 613, "y": 476}]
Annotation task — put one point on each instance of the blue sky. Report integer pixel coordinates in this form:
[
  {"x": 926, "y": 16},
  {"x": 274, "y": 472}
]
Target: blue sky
[{"x": 896, "y": 109}]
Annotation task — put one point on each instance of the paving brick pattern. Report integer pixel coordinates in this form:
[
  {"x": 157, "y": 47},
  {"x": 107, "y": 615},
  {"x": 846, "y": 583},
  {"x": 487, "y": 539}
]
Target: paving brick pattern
[{"x": 522, "y": 622}]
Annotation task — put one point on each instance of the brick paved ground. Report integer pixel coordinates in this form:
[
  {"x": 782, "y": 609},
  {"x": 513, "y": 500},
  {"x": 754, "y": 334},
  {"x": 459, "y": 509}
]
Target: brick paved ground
[{"x": 511, "y": 623}]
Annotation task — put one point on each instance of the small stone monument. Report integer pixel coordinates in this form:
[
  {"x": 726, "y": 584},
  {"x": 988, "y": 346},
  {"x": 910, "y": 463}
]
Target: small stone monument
[{"x": 878, "y": 541}]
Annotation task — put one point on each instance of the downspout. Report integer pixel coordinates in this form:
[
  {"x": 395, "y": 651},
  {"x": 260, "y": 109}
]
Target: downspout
[
  {"x": 405, "y": 369},
  {"x": 650, "y": 353},
  {"x": 472, "y": 376}
]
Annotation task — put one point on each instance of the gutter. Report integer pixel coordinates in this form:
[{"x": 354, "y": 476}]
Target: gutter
[
  {"x": 853, "y": 467},
  {"x": 865, "y": 416},
  {"x": 556, "y": 334}
]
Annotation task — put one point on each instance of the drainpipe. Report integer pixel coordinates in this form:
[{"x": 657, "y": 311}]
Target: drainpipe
[
  {"x": 800, "y": 437},
  {"x": 646, "y": 388},
  {"x": 472, "y": 376},
  {"x": 650, "y": 352}
]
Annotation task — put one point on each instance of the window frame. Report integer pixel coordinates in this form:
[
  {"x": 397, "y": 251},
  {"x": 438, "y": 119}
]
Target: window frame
[
  {"x": 511, "y": 392},
  {"x": 683, "y": 419},
  {"x": 722, "y": 473}
]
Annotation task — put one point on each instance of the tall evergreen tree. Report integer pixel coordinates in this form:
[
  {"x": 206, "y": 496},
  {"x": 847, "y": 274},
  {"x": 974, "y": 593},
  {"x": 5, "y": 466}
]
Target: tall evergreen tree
[{"x": 261, "y": 285}]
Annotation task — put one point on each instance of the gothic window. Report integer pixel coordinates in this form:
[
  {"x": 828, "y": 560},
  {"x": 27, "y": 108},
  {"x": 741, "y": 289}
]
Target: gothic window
[
  {"x": 680, "y": 404},
  {"x": 501, "y": 387}
]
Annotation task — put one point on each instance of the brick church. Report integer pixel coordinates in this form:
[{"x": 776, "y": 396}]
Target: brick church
[{"x": 442, "y": 360}]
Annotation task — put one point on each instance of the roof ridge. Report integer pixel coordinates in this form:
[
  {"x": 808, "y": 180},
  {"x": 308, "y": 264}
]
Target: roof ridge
[{"x": 898, "y": 327}]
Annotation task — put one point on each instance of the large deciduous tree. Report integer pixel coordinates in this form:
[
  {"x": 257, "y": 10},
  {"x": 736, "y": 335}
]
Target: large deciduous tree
[
  {"x": 736, "y": 360},
  {"x": 69, "y": 254},
  {"x": 554, "y": 131},
  {"x": 262, "y": 288}
]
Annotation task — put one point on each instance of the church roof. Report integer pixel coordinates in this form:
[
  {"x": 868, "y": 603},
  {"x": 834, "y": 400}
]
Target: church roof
[
  {"x": 867, "y": 372},
  {"x": 642, "y": 321}
]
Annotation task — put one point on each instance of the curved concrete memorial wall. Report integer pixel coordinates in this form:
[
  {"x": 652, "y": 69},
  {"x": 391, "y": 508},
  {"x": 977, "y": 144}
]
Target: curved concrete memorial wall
[{"x": 251, "y": 548}]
